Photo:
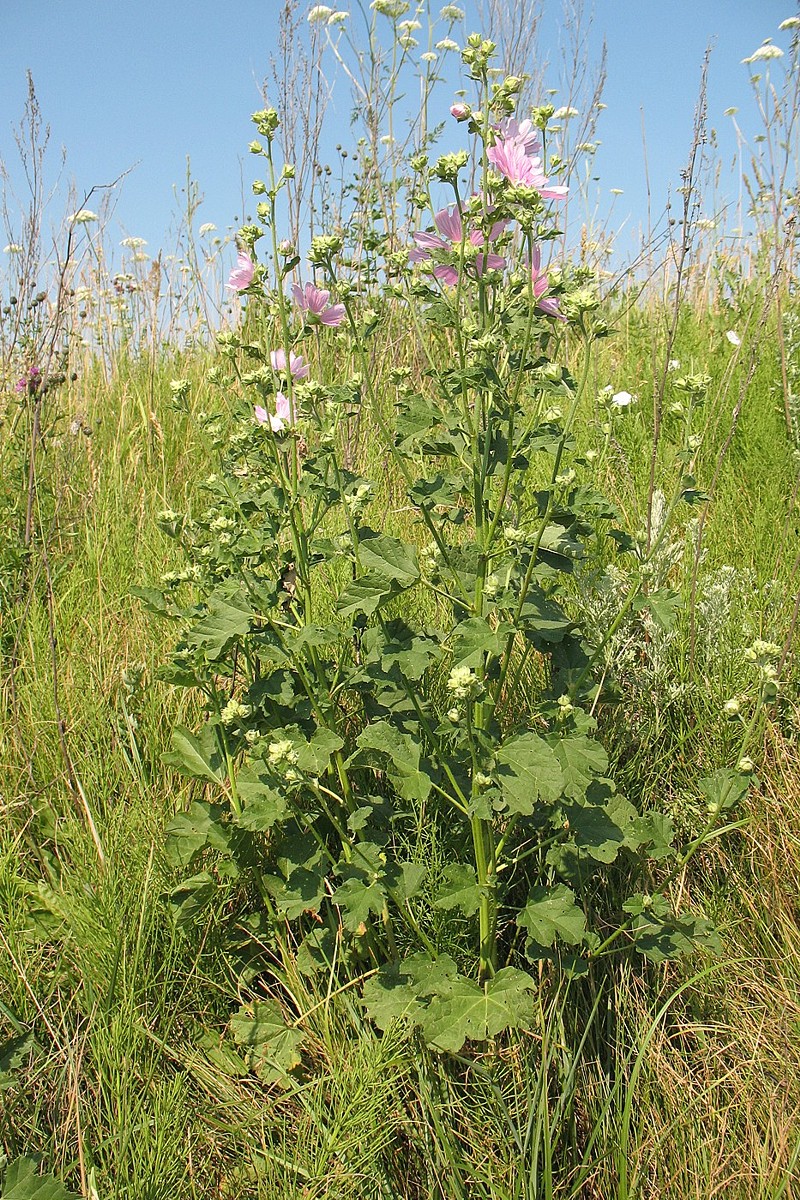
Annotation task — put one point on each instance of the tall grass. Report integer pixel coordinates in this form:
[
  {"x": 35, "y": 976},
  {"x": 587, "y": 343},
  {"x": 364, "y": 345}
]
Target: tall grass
[{"x": 115, "y": 1062}]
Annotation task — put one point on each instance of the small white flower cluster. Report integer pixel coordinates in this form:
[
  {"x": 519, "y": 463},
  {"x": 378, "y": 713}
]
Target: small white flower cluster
[
  {"x": 282, "y": 757},
  {"x": 391, "y": 8},
  {"x": 765, "y": 52},
  {"x": 84, "y": 216},
  {"x": 234, "y": 711},
  {"x": 462, "y": 683}
]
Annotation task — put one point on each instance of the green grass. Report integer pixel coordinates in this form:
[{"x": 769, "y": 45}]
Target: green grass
[{"x": 116, "y": 1066}]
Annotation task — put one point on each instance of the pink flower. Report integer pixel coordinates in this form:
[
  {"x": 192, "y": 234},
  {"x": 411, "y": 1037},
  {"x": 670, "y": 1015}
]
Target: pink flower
[
  {"x": 314, "y": 301},
  {"x": 448, "y": 222},
  {"x": 546, "y": 304},
  {"x": 242, "y": 274},
  {"x": 29, "y": 382},
  {"x": 510, "y": 159},
  {"x": 282, "y": 415},
  {"x": 524, "y": 132},
  {"x": 460, "y": 111},
  {"x": 298, "y": 368}
]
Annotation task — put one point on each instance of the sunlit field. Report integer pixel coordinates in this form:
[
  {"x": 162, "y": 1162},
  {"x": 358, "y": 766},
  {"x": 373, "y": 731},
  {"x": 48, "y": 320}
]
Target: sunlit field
[{"x": 399, "y": 764}]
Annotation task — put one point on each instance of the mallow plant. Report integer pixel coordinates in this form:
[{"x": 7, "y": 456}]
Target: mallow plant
[{"x": 364, "y": 681}]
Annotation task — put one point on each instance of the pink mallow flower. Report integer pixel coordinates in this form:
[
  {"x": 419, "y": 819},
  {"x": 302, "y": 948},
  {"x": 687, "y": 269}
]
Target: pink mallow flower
[
  {"x": 524, "y": 132},
  {"x": 242, "y": 274},
  {"x": 546, "y": 304},
  {"x": 298, "y": 368},
  {"x": 460, "y": 111},
  {"x": 448, "y": 222},
  {"x": 516, "y": 154},
  {"x": 314, "y": 301},
  {"x": 282, "y": 415}
]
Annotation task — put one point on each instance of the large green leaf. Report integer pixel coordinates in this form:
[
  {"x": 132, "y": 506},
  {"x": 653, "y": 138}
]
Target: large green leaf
[
  {"x": 365, "y": 595},
  {"x": 263, "y": 805},
  {"x": 551, "y": 912},
  {"x": 601, "y": 830},
  {"x": 358, "y": 899},
  {"x": 23, "y": 1183},
  {"x": 228, "y": 618},
  {"x": 460, "y": 890},
  {"x": 468, "y": 1012},
  {"x": 582, "y": 759},
  {"x": 473, "y": 638},
  {"x": 196, "y": 755},
  {"x": 403, "y": 754},
  {"x": 528, "y": 772},
  {"x": 202, "y": 825},
  {"x": 271, "y": 1048},
  {"x": 390, "y": 557}
]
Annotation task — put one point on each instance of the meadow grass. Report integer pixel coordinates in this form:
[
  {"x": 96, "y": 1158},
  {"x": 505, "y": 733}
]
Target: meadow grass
[
  {"x": 117, "y": 1066},
  {"x": 675, "y": 1081}
]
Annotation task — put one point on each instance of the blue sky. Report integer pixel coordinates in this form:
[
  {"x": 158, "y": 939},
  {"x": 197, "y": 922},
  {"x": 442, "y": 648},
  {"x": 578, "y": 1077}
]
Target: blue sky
[{"x": 138, "y": 87}]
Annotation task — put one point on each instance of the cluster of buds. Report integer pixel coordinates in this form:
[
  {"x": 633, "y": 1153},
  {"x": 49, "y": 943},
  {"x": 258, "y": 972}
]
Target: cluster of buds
[
  {"x": 234, "y": 711},
  {"x": 765, "y": 656},
  {"x": 463, "y": 683}
]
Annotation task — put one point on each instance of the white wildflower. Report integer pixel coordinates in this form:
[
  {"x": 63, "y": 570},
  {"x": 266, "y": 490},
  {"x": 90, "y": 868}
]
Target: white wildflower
[
  {"x": 733, "y": 337},
  {"x": 84, "y": 216},
  {"x": 320, "y": 12},
  {"x": 447, "y": 44},
  {"x": 207, "y": 227},
  {"x": 622, "y": 400},
  {"x": 764, "y": 53}
]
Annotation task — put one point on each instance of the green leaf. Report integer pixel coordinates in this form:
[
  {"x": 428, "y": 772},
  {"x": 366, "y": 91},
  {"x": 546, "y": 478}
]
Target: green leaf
[
  {"x": 228, "y": 618},
  {"x": 263, "y": 805},
  {"x": 552, "y": 913},
  {"x": 725, "y": 789},
  {"x": 191, "y": 896},
  {"x": 359, "y": 899},
  {"x": 315, "y": 756},
  {"x": 302, "y": 892},
  {"x": 467, "y": 1011},
  {"x": 528, "y": 772},
  {"x": 390, "y": 557},
  {"x": 659, "y": 934},
  {"x": 460, "y": 890},
  {"x": 22, "y": 1183},
  {"x": 582, "y": 759},
  {"x": 188, "y": 832},
  {"x": 397, "y": 992},
  {"x": 364, "y": 595},
  {"x": 196, "y": 755},
  {"x": 601, "y": 830},
  {"x": 404, "y": 756},
  {"x": 541, "y": 618},
  {"x": 663, "y": 607},
  {"x": 654, "y": 830},
  {"x": 475, "y": 637},
  {"x": 271, "y": 1049}
]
